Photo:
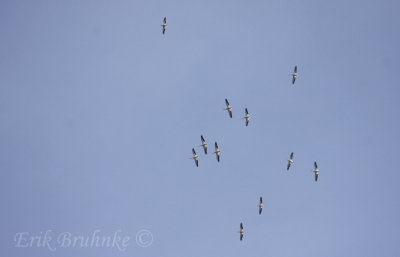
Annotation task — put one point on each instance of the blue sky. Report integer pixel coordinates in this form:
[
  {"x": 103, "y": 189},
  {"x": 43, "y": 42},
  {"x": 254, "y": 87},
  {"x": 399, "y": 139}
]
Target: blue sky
[{"x": 99, "y": 112}]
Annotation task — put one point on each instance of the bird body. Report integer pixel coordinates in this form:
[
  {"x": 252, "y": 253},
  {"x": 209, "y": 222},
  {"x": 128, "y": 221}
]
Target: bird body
[
  {"x": 294, "y": 74},
  {"x": 228, "y": 107},
  {"x": 203, "y": 144},
  {"x": 164, "y": 25},
  {"x": 195, "y": 157},
  {"x": 290, "y": 161},
  {"x": 316, "y": 171},
  {"x": 217, "y": 151},
  {"x": 241, "y": 231},
  {"x": 246, "y": 116}
]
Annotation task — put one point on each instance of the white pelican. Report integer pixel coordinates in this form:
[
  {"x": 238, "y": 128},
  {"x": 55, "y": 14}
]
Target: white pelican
[
  {"x": 217, "y": 151},
  {"x": 228, "y": 107},
  {"x": 316, "y": 171},
  {"x": 164, "y": 25},
  {"x": 294, "y": 74},
  {"x": 195, "y": 157},
  {"x": 260, "y": 206},
  {"x": 241, "y": 231},
  {"x": 290, "y": 161},
  {"x": 203, "y": 144},
  {"x": 246, "y": 116}
]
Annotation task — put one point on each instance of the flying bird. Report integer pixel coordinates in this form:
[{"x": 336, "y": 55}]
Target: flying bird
[
  {"x": 228, "y": 107},
  {"x": 290, "y": 161},
  {"x": 217, "y": 151},
  {"x": 294, "y": 74},
  {"x": 195, "y": 157},
  {"x": 164, "y": 25},
  {"x": 246, "y": 116},
  {"x": 316, "y": 171},
  {"x": 203, "y": 144},
  {"x": 260, "y": 206},
  {"x": 241, "y": 231}
]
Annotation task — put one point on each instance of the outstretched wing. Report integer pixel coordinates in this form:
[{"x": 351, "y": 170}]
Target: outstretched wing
[
  {"x": 259, "y": 210},
  {"x": 193, "y": 151},
  {"x": 295, "y": 69},
  {"x": 316, "y": 176},
  {"x": 216, "y": 146},
  {"x": 165, "y": 20},
  {"x": 218, "y": 157},
  {"x": 291, "y": 156},
  {"x": 202, "y": 139},
  {"x": 288, "y": 165},
  {"x": 315, "y": 165},
  {"x": 241, "y": 237},
  {"x": 260, "y": 199},
  {"x": 230, "y": 113},
  {"x": 246, "y": 111},
  {"x": 163, "y": 30},
  {"x": 293, "y": 80},
  {"x": 247, "y": 122},
  {"x": 197, "y": 163},
  {"x": 226, "y": 102},
  {"x": 205, "y": 149},
  {"x": 241, "y": 226}
]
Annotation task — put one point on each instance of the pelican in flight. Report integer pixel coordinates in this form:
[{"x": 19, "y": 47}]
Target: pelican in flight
[
  {"x": 241, "y": 231},
  {"x": 294, "y": 74},
  {"x": 316, "y": 171},
  {"x": 164, "y": 25},
  {"x": 260, "y": 206},
  {"x": 228, "y": 107},
  {"x": 217, "y": 151},
  {"x": 246, "y": 116},
  {"x": 203, "y": 144},
  {"x": 195, "y": 157},
  {"x": 290, "y": 161}
]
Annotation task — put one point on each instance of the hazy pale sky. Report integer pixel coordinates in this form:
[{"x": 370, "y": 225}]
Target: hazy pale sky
[{"x": 99, "y": 112}]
